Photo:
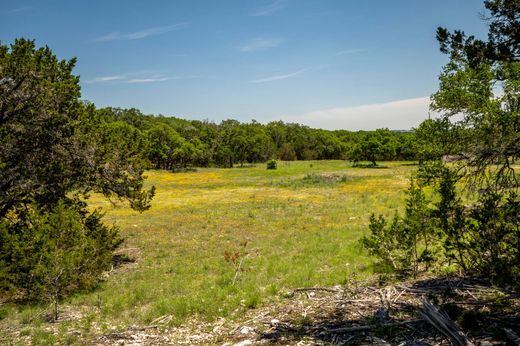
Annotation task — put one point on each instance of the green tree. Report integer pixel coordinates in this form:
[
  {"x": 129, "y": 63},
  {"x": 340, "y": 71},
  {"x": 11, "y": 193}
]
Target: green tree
[
  {"x": 374, "y": 146},
  {"x": 329, "y": 146},
  {"x": 55, "y": 150},
  {"x": 260, "y": 145},
  {"x": 479, "y": 98},
  {"x": 186, "y": 154},
  {"x": 367, "y": 149},
  {"x": 47, "y": 254},
  {"x": 46, "y": 133},
  {"x": 434, "y": 138},
  {"x": 481, "y": 83},
  {"x": 165, "y": 146}
]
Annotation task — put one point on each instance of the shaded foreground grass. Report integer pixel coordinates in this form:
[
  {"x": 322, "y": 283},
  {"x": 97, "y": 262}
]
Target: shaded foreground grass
[{"x": 297, "y": 235}]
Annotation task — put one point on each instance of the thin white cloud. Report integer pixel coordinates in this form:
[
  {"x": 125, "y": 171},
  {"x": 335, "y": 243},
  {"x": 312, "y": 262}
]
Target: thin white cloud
[
  {"x": 113, "y": 36},
  {"x": 20, "y": 9},
  {"x": 108, "y": 78},
  {"x": 148, "y": 80},
  {"x": 138, "y": 77},
  {"x": 261, "y": 44},
  {"x": 105, "y": 79},
  {"x": 395, "y": 115},
  {"x": 269, "y": 9},
  {"x": 278, "y": 77},
  {"x": 350, "y": 51}
]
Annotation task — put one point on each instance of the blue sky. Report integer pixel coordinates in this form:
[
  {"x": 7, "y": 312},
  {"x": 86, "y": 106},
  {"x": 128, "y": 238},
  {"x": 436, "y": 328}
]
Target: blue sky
[{"x": 326, "y": 63}]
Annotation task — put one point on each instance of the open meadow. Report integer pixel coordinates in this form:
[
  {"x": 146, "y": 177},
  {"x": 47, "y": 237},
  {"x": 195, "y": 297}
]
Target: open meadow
[
  {"x": 260, "y": 172},
  {"x": 301, "y": 223}
]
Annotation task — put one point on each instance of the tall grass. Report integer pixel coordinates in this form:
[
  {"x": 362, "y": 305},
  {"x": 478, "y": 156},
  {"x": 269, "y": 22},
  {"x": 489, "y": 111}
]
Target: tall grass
[{"x": 298, "y": 234}]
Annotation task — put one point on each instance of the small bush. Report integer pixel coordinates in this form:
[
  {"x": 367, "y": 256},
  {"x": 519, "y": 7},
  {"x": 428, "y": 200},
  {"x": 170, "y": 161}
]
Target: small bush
[
  {"x": 314, "y": 180},
  {"x": 47, "y": 254},
  {"x": 405, "y": 243},
  {"x": 323, "y": 179},
  {"x": 272, "y": 164}
]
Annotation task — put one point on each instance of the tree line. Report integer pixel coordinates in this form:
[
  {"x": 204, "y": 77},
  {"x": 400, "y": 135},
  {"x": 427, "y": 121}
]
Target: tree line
[{"x": 174, "y": 143}]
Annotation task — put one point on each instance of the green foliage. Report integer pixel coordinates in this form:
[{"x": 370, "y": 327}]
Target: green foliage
[
  {"x": 434, "y": 138},
  {"x": 374, "y": 146},
  {"x": 272, "y": 164},
  {"x": 449, "y": 215},
  {"x": 47, "y": 254},
  {"x": 39, "y": 103},
  {"x": 161, "y": 139},
  {"x": 481, "y": 86},
  {"x": 482, "y": 239},
  {"x": 494, "y": 233},
  {"x": 55, "y": 145},
  {"x": 383, "y": 243},
  {"x": 55, "y": 151},
  {"x": 481, "y": 83},
  {"x": 175, "y": 143},
  {"x": 406, "y": 242}
]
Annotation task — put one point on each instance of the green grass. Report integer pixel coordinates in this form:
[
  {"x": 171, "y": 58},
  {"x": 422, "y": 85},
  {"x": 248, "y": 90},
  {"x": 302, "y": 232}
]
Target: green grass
[{"x": 301, "y": 226}]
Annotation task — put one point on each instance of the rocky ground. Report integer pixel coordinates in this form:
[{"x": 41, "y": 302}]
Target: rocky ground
[{"x": 424, "y": 312}]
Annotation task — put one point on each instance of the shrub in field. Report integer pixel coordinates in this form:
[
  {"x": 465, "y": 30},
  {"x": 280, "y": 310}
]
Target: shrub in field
[
  {"x": 322, "y": 179},
  {"x": 314, "y": 180},
  {"x": 483, "y": 238},
  {"x": 494, "y": 245},
  {"x": 272, "y": 164},
  {"x": 384, "y": 244},
  {"x": 46, "y": 255},
  {"x": 406, "y": 242}
]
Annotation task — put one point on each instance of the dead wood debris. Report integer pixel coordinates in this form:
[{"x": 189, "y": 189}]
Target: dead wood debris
[
  {"x": 443, "y": 323},
  {"x": 396, "y": 315},
  {"x": 513, "y": 337},
  {"x": 414, "y": 313},
  {"x": 362, "y": 314}
]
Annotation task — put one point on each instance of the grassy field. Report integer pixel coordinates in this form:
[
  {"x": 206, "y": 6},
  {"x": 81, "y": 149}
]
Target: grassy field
[{"x": 301, "y": 223}]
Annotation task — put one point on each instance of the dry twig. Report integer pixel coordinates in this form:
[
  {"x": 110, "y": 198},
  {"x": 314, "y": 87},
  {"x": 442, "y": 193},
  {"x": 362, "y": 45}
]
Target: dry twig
[{"x": 443, "y": 324}]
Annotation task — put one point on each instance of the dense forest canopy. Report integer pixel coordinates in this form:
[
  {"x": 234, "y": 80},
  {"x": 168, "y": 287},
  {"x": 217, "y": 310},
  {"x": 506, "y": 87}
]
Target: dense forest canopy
[{"x": 172, "y": 142}]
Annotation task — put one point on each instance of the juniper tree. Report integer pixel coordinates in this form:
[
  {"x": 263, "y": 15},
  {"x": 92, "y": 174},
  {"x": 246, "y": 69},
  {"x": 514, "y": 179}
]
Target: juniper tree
[{"x": 54, "y": 151}]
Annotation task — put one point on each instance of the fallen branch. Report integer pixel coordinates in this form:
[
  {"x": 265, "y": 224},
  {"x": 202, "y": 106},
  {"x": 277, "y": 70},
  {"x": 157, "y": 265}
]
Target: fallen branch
[
  {"x": 443, "y": 324},
  {"x": 372, "y": 326},
  {"x": 512, "y": 336},
  {"x": 305, "y": 289},
  {"x": 143, "y": 328},
  {"x": 162, "y": 319}
]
